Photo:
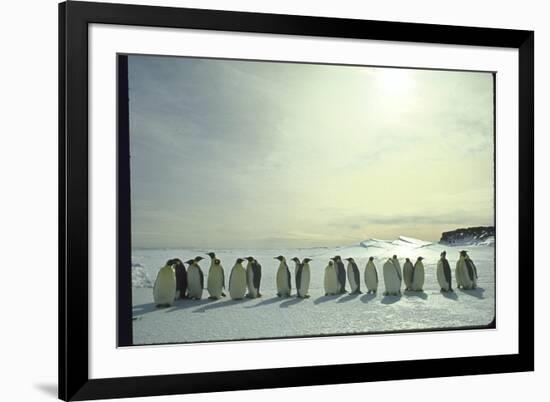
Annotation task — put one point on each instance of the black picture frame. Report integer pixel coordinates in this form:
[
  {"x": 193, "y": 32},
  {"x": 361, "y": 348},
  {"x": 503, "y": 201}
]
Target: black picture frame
[{"x": 74, "y": 380}]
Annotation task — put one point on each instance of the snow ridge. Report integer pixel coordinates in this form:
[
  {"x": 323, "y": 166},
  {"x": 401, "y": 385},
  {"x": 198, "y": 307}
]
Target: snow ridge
[{"x": 140, "y": 279}]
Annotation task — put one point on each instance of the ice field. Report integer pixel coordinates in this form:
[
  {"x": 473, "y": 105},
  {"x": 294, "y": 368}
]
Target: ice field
[{"x": 273, "y": 317}]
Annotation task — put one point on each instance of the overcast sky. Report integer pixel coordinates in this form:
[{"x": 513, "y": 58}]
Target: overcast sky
[{"x": 255, "y": 154}]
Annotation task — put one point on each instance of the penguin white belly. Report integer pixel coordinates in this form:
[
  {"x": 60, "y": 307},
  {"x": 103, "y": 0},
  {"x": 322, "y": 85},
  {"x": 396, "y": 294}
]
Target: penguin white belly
[
  {"x": 441, "y": 277},
  {"x": 250, "y": 281},
  {"x": 331, "y": 281},
  {"x": 283, "y": 286},
  {"x": 194, "y": 283},
  {"x": 371, "y": 279},
  {"x": 418, "y": 279},
  {"x": 164, "y": 291},
  {"x": 304, "y": 281},
  {"x": 391, "y": 279},
  {"x": 408, "y": 274},
  {"x": 464, "y": 275},
  {"x": 237, "y": 283},
  {"x": 215, "y": 282},
  {"x": 351, "y": 279},
  {"x": 458, "y": 276}
]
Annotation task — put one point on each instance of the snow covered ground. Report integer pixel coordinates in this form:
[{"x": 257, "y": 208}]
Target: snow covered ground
[{"x": 273, "y": 317}]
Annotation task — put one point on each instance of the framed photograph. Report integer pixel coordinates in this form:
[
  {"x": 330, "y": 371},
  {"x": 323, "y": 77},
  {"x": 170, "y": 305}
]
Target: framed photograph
[{"x": 257, "y": 200}]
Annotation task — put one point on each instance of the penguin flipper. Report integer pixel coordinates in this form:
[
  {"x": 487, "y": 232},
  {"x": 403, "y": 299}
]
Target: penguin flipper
[
  {"x": 201, "y": 275},
  {"x": 288, "y": 279},
  {"x": 223, "y": 279},
  {"x": 398, "y": 271},
  {"x": 230, "y": 276},
  {"x": 470, "y": 269},
  {"x": 257, "y": 269},
  {"x": 475, "y": 268},
  {"x": 447, "y": 272},
  {"x": 299, "y": 276},
  {"x": 357, "y": 277}
]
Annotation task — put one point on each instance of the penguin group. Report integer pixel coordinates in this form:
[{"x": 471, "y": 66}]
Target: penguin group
[{"x": 175, "y": 281}]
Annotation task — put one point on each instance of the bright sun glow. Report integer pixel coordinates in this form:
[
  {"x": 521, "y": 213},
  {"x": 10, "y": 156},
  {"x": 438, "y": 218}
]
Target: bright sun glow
[{"x": 394, "y": 80}]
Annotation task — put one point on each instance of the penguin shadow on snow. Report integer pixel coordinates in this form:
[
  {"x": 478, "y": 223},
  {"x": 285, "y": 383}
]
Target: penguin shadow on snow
[
  {"x": 367, "y": 297},
  {"x": 477, "y": 292},
  {"x": 348, "y": 297},
  {"x": 266, "y": 302},
  {"x": 324, "y": 299},
  {"x": 188, "y": 303},
  {"x": 449, "y": 295},
  {"x": 411, "y": 293},
  {"x": 220, "y": 304},
  {"x": 142, "y": 309},
  {"x": 290, "y": 302},
  {"x": 390, "y": 299}
]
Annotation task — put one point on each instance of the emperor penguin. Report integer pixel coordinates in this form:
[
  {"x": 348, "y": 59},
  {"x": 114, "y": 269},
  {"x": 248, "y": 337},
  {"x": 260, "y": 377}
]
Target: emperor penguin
[
  {"x": 237, "y": 280},
  {"x": 371, "y": 276},
  {"x": 408, "y": 274},
  {"x": 216, "y": 279},
  {"x": 340, "y": 273},
  {"x": 392, "y": 278},
  {"x": 443, "y": 273},
  {"x": 332, "y": 286},
  {"x": 181, "y": 277},
  {"x": 303, "y": 276},
  {"x": 466, "y": 272},
  {"x": 253, "y": 277},
  {"x": 195, "y": 278},
  {"x": 354, "y": 278},
  {"x": 283, "y": 278},
  {"x": 164, "y": 291},
  {"x": 418, "y": 275}
]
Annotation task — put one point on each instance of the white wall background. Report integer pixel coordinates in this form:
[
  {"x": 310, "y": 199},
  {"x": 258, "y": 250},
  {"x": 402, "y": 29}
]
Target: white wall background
[{"x": 28, "y": 200}]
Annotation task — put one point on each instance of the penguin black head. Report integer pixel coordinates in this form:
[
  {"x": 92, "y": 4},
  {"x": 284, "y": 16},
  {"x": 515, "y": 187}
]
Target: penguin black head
[
  {"x": 463, "y": 253},
  {"x": 239, "y": 260},
  {"x": 407, "y": 259},
  {"x": 336, "y": 258},
  {"x": 306, "y": 260},
  {"x": 419, "y": 258},
  {"x": 174, "y": 261},
  {"x": 280, "y": 258},
  {"x": 217, "y": 261},
  {"x": 198, "y": 258},
  {"x": 331, "y": 262},
  {"x": 211, "y": 254},
  {"x": 250, "y": 259},
  {"x": 371, "y": 258},
  {"x": 394, "y": 257},
  {"x": 443, "y": 254},
  {"x": 350, "y": 259},
  {"x": 189, "y": 262},
  {"x": 296, "y": 260}
]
